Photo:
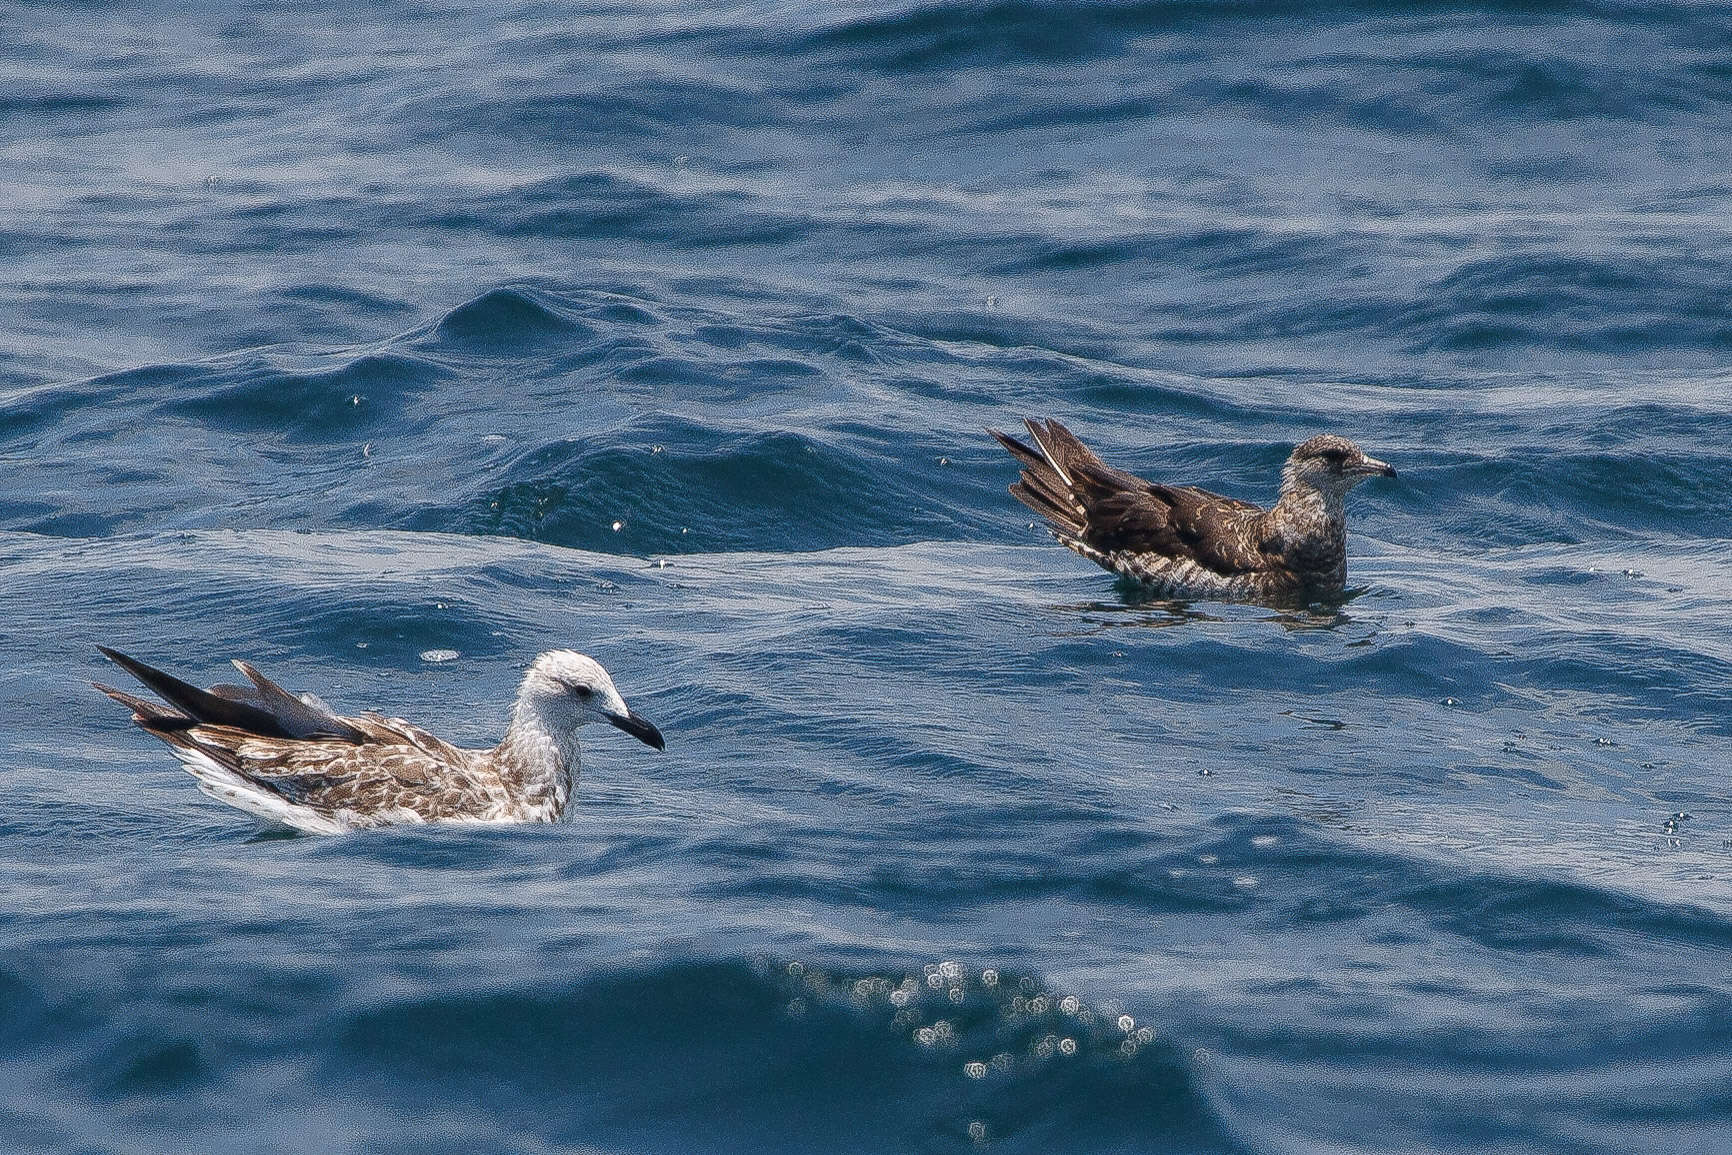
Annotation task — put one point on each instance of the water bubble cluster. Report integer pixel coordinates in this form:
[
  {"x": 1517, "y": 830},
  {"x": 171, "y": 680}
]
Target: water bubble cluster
[{"x": 992, "y": 1025}]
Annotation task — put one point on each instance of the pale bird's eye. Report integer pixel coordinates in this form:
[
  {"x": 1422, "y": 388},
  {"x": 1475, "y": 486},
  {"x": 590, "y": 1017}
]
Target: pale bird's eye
[{"x": 582, "y": 691}]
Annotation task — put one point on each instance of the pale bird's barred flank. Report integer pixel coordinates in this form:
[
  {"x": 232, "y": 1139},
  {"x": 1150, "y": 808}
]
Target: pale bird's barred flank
[
  {"x": 291, "y": 761},
  {"x": 1185, "y": 542}
]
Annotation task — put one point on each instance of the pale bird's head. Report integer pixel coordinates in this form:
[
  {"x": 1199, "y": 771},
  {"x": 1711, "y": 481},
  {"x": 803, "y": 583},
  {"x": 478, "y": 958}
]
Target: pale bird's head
[
  {"x": 1332, "y": 465},
  {"x": 570, "y": 689}
]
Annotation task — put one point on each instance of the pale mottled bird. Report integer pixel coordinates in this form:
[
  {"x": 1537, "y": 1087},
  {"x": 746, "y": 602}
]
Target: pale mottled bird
[
  {"x": 290, "y": 761},
  {"x": 1185, "y": 542}
]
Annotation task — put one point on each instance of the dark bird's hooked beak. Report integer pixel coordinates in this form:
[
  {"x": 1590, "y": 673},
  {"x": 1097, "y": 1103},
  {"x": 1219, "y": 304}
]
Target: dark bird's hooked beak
[
  {"x": 638, "y": 727},
  {"x": 1372, "y": 467}
]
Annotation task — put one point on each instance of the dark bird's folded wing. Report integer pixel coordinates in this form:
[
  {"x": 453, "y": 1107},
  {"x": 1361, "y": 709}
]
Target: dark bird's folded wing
[
  {"x": 1218, "y": 533},
  {"x": 1109, "y": 511}
]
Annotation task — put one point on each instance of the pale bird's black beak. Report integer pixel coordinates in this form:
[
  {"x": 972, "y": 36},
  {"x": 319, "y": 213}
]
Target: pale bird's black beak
[{"x": 639, "y": 727}]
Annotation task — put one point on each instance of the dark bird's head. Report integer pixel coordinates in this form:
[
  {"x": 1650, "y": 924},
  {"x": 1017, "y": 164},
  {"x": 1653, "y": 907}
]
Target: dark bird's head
[
  {"x": 1331, "y": 465},
  {"x": 566, "y": 689}
]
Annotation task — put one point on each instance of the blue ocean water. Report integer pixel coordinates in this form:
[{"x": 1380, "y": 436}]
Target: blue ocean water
[{"x": 335, "y": 338}]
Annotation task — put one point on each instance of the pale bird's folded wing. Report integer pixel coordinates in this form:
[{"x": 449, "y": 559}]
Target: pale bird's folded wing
[
  {"x": 298, "y": 717},
  {"x": 429, "y": 778}
]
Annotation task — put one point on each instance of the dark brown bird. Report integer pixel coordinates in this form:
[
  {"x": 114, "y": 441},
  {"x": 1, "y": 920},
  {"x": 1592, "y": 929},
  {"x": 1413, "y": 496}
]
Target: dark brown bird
[
  {"x": 1185, "y": 542},
  {"x": 290, "y": 761}
]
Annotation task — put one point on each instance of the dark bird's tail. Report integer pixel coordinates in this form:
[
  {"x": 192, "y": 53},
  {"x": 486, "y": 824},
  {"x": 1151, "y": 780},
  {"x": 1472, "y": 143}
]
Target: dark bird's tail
[{"x": 1058, "y": 471}]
